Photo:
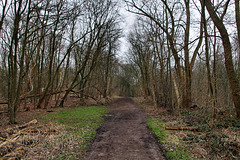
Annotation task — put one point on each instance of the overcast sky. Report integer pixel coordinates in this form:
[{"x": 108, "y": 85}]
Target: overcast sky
[{"x": 127, "y": 25}]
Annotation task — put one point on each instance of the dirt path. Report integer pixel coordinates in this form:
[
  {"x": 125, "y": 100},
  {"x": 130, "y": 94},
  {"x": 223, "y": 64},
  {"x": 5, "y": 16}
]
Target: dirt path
[{"x": 124, "y": 136}]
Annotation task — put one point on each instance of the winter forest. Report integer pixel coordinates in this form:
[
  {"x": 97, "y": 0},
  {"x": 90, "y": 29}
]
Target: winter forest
[{"x": 179, "y": 58}]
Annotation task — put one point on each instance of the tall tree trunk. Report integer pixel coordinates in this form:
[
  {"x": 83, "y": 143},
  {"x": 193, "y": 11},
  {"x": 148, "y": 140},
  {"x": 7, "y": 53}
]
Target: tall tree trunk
[
  {"x": 4, "y": 7},
  {"x": 188, "y": 70},
  {"x": 210, "y": 85},
  {"x": 232, "y": 76},
  {"x": 12, "y": 63},
  {"x": 237, "y": 13},
  {"x": 52, "y": 48},
  {"x": 214, "y": 67},
  {"x": 107, "y": 72}
]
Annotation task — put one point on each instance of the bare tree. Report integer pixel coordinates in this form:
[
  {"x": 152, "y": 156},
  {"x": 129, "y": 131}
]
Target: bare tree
[
  {"x": 232, "y": 76},
  {"x": 5, "y": 7},
  {"x": 175, "y": 16},
  {"x": 101, "y": 22}
]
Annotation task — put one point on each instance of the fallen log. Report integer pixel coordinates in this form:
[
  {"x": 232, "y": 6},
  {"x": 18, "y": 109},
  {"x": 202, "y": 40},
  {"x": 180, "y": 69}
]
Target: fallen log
[
  {"x": 180, "y": 128},
  {"x": 25, "y": 125},
  {"x": 14, "y": 130},
  {"x": 40, "y": 131}
]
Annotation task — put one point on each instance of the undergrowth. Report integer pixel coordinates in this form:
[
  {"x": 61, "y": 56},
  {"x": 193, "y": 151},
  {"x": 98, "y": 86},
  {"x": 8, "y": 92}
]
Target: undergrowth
[
  {"x": 76, "y": 128},
  {"x": 170, "y": 142},
  {"x": 209, "y": 142},
  {"x": 220, "y": 142}
]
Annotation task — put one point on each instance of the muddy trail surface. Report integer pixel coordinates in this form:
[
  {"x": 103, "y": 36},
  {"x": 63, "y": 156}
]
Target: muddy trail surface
[{"x": 124, "y": 135}]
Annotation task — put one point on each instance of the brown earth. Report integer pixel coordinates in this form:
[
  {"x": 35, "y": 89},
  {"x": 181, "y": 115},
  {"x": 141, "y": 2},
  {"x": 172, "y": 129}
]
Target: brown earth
[{"x": 124, "y": 135}]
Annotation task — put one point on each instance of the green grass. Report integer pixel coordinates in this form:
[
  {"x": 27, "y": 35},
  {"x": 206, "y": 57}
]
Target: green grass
[
  {"x": 158, "y": 128},
  {"x": 80, "y": 123},
  {"x": 83, "y": 121},
  {"x": 175, "y": 151},
  {"x": 179, "y": 153}
]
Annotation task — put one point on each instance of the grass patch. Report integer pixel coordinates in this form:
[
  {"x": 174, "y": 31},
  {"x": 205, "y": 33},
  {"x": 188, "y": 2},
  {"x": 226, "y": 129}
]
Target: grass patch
[
  {"x": 179, "y": 153},
  {"x": 170, "y": 142},
  {"x": 76, "y": 127},
  {"x": 80, "y": 122},
  {"x": 158, "y": 128}
]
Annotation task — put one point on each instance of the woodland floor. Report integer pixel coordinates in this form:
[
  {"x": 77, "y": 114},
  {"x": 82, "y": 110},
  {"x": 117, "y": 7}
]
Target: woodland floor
[
  {"x": 64, "y": 133},
  {"x": 124, "y": 135}
]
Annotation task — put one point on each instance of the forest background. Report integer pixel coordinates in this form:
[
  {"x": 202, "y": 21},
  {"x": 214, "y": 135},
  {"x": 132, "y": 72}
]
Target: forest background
[{"x": 178, "y": 54}]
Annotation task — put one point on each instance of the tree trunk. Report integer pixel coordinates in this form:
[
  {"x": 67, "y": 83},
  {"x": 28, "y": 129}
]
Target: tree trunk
[
  {"x": 232, "y": 76},
  {"x": 210, "y": 85},
  {"x": 13, "y": 97},
  {"x": 107, "y": 73},
  {"x": 237, "y": 12},
  {"x": 188, "y": 70}
]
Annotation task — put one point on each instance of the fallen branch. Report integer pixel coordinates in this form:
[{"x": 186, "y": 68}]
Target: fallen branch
[
  {"x": 180, "y": 128},
  {"x": 40, "y": 131},
  {"x": 3, "y": 102},
  {"x": 27, "y": 124},
  {"x": 15, "y": 154},
  {"x": 15, "y": 130},
  {"x": 7, "y": 141},
  {"x": 96, "y": 100},
  {"x": 35, "y": 95},
  {"x": 3, "y": 111},
  {"x": 14, "y": 143}
]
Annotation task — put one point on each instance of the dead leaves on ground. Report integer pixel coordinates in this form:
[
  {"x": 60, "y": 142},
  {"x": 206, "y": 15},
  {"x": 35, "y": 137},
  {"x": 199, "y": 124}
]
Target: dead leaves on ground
[{"x": 14, "y": 141}]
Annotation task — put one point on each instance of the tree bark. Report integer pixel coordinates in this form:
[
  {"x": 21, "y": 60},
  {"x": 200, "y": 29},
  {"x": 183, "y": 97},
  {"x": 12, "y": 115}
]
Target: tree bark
[
  {"x": 237, "y": 13},
  {"x": 232, "y": 76},
  {"x": 210, "y": 85},
  {"x": 188, "y": 70},
  {"x": 13, "y": 97}
]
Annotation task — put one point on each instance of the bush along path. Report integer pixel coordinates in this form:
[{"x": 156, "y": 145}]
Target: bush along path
[{"x": 124, "y": 135}]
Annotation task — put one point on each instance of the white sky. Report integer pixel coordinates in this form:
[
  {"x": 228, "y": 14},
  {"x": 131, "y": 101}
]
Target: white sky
[
  {"x": 127, "y": 25},
  {"x": 129, "y": 19}
]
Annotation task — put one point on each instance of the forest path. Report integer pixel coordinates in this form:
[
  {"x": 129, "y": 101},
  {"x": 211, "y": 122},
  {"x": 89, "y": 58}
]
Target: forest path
[{"x": 124, "y": 135}]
